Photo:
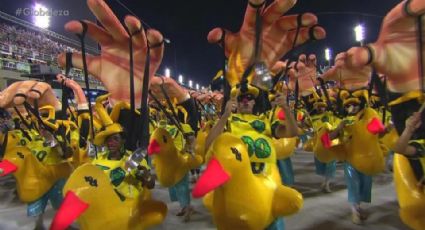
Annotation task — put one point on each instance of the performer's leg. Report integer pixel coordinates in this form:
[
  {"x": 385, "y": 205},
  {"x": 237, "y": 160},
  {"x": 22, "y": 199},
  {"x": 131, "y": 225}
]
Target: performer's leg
[
  {"x": 183, "y": 196},
  {"x": 277, "y": 224},
  {"x": 329, "y": 174},
  {"x": 353, "y": 186},
  {"x": 36, "y": 209}
]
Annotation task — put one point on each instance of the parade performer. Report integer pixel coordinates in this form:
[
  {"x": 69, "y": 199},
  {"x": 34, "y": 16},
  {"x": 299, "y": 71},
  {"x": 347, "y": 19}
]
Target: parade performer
[
  {"x": 129, "y": 180},
  {"x": 37, "y": 150},
  {"x": 411, "y": 148},
  {"x": 255, "y": 131},
  {"x": 284, "y": 146},
  {"x": 324, "y": 161},
  {"x": 400, "y": 28},
  {"x": 181, "y": 191},
  {"x": 170, "y": 173},
  {"x": 358, "y": 172},
  {"x": 245, "y": 55}
]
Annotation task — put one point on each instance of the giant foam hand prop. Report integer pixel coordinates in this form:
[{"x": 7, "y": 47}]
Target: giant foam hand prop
[
  {"x": 203, "y": 97},
  {"x": 305, "y": 71},
  {"x": 112, "y": 66},
  {"x": 217, "y": 98},
  {"x": 348, "y": 76},
  {"x": 278, "y": 35},
  {"x": 395, "y": 53},
  {"x": 279, "y": 67},
  {"x": 170, "y": 86},
  {"x": 75, "y": 87},
  {"x": 28, "y": 91}
]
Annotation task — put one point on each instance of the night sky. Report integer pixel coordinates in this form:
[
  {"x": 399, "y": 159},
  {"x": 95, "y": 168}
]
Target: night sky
[{"x": 187, "y": 23}]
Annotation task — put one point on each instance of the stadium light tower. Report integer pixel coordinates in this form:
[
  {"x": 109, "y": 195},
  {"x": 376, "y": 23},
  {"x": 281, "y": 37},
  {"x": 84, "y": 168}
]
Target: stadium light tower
[
  {"x": 167, "y": 72},
  {"x": 190, "y": 83},
  {"x": 359, "y": 30},
  {"x": 181, "y": 79},
  {"x": 41, "y": 18},
  {"x": 328, "y": 56}
]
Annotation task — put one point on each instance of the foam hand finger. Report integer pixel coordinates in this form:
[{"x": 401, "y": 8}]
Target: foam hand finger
[
  {"x": 94, "y": 31},
  {"x": 93, "y": 63},
  {"x": 7, "y": 95},
  {"x": 108, "y": 19},
  {"x": 275, "y": 10},
  {"x": 44, "y": 94},
  {"x": 135, "y": 28},
  {"x": 216, "y": 35},
  {"x": 249, "y": 19},
  {"x": 21, "y": 92},
  {"x": 156, "y": 43},
  {"x": 358, "y": 57}
]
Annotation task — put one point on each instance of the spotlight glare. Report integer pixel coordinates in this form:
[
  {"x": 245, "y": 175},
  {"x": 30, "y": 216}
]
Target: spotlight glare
[
  {"x": 328, "y": 54},
  {"x": 360, "y": 33},
  {"x": 41, "y": 16},
  {"x": 167, "y": 72},
  {"x": 181, "y": 79}
]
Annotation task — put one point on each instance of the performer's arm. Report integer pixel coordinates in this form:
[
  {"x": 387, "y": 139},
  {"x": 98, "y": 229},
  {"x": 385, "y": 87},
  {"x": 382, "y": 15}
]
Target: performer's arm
[
  {"x": 290, "y": 128},
  {"x": 402, "y": 146},
  {"x": 219, "y": 127}
]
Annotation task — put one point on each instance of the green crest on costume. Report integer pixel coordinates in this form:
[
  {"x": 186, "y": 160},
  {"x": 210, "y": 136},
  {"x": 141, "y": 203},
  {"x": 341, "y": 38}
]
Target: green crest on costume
[
  {"x": 117, "y": 176},
  {"x": 22, "y": 142},
  {"x": 172, "y": 131},
  {"x": 325, "y": 119},
  {"x": 102, "y": 167},
  {"x": 259, "y": 126},
  {"x": 41, "y": 155}
]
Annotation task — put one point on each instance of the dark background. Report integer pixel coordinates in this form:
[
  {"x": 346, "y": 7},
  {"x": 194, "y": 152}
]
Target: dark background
[{"x": 187, "y": 23}]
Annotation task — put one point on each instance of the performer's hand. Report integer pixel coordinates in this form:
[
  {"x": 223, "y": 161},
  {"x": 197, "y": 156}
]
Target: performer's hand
[
  {"x": 112, "y": 66},
  {"x": 143, "y": 174},
  {"x": 413, "y": 122},
  {"x": 421, "y": 184},
  {"x": 342, "y": 125},
  {"x": 231, "y": 106},
  {"x": 395, "y": 53},
  {"x": 278, "y": 35},
  {"x": 19, "y": 92},
  {"x": 281, "y": 101}
]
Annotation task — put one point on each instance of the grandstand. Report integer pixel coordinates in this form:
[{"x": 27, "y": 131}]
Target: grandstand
[{"x": 22, "y": 46}]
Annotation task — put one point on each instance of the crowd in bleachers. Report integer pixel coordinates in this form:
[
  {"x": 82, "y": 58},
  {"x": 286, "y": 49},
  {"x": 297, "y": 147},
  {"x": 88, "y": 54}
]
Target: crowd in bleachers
[
  {"x": 20, "y": 47},
  {"x": 26, "y": 42},
  {"x": 26, "y": 45}
]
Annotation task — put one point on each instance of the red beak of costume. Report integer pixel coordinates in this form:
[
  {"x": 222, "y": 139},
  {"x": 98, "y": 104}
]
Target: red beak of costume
[
  {"x": 326, "y": 140},
  {"x": 375, "y": 126},
  {"x": 154, "y": 148},
  {"x": 7, "y": 167},
  {"x": 71, "y": 208},
  {"x": 213, "y": 177}
]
